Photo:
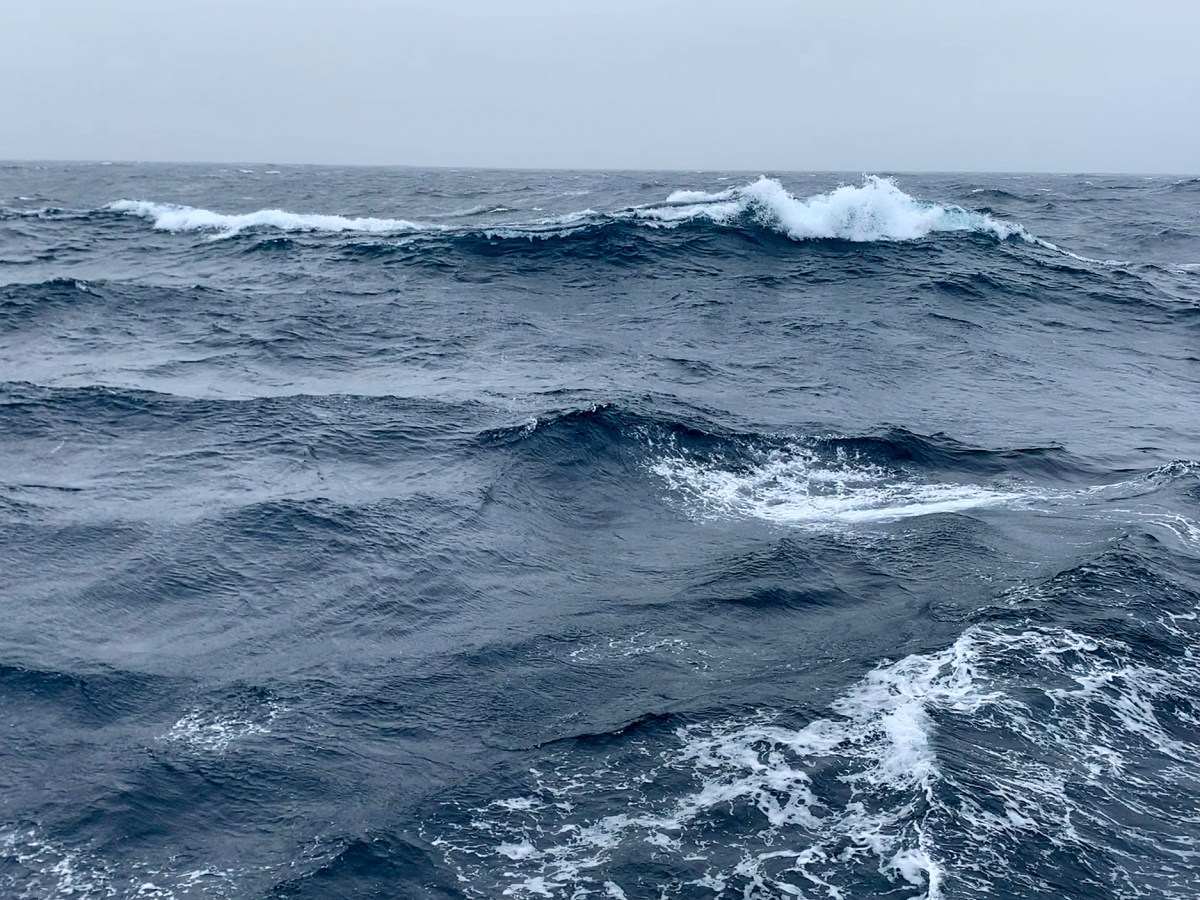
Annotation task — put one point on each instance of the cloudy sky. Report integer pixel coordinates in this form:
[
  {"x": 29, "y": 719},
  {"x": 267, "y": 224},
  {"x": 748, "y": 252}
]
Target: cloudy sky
[{"x": 861, "y": 85}]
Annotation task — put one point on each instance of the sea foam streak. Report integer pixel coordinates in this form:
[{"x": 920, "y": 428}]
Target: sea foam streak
[{"x": 795, "y": 486}]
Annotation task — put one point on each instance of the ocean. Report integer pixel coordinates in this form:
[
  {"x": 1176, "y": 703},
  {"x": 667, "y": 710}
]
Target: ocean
[{"x": 401, "y": 533}]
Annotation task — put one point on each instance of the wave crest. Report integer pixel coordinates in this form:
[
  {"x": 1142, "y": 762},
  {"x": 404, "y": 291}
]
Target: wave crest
[
  {"x": 877, "y": 210},
  {"x": 173, "y": 217}
]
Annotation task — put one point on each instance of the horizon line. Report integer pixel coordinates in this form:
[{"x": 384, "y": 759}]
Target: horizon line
[{"x": 592, "y": 169}]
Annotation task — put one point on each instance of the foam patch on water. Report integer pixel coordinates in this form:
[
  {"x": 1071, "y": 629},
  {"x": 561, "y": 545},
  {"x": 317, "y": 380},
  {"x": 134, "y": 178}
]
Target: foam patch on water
[
  {"x": 1179, "y": 471},
  {"x": 998, "y": 763},
  {"x": 792, "y": 834},
  {"x": 32, "y": 867},
  {"x": 173, "y": 217},
  {"x": 213, "y": 732},
  {"x": 544, "y": 228},
  {"x": 639, "y": 644},
  {"x": 796, "y": 486}
]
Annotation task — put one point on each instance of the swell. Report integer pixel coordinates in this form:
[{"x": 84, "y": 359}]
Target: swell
[
  {"x": 334, "y": 424},
  {"x": 802, "y": 477},
  {"x": 25, "y": 302},
  {"x": 695, "y": 227},
  {"x": 89, "y": 694},
  {"x": 357, "y": 452},
  {"x": 688, "y": 457},
  {"x": 611, "y": 428},
  {"x": 877, "y": 210}
]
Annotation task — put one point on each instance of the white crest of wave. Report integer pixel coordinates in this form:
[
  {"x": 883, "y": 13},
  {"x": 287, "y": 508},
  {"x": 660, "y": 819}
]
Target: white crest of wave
[
  {"x": 794, "y": 486},
  {"x": 876, "y": 210},
  {"x": 173, "y": 217}
]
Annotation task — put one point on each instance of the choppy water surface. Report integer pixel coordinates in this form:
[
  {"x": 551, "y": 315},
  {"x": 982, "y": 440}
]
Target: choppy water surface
[{"x": 438, "y": 534}]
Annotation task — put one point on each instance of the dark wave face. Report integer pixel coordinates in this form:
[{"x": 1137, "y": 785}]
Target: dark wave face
[{"x": 467, "y": 534}]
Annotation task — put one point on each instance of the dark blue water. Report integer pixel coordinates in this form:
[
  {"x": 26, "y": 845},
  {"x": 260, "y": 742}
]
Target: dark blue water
[{"x": 462, "y": 534}]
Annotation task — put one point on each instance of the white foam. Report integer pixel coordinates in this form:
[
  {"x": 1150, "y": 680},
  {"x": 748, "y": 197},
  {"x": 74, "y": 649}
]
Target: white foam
[
  {"x": 693, "y": 197},
  {"x": 876, "y": 210},
  {"x": 518, "y": 851},
  {"x": 543, "y": 228},
  {"x": 33, "y": 866},
  {"x": 59, "y": 870},
  {"x": 794, "y": 486},
  {"x": 213, "y": 732},
  {"x": 859, "y": 802},
  {"x": 173, "y": 217},
  {"x": 878, "y": 735},
  {"x": 640, "y": 643}
]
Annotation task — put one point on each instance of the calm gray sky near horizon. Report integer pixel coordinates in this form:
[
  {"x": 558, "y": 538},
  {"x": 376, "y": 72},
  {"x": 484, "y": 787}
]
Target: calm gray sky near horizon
[{"x": 853, "y": 85}]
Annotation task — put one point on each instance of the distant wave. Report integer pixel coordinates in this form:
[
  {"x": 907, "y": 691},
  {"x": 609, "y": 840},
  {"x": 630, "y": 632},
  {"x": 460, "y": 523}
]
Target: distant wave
[
  {"x": 173, "y": 217},
  {"x": 877, "y": 210}
]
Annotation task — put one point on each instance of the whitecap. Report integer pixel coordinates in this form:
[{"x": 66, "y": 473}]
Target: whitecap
[
  {"x": 173, "y": 217},
  {"x": 876, "y": 210}
]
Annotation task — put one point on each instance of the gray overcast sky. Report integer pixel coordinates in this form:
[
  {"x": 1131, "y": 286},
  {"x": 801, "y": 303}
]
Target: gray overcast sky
[{"x": 1001, "y": 85}]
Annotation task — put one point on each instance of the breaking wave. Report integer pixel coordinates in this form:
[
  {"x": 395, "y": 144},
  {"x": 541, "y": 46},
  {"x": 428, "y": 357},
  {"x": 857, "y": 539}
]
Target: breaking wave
[
  {"x": 173, "y": 217},
  {"x": 796, "y": 486},
  {"x": 876, "y": 210}
]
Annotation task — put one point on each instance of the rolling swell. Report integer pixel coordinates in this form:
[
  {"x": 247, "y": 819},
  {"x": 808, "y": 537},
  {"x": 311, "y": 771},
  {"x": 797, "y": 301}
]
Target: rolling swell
[
  {"x": 690, "y": 229},
  {"x": 792, "y": 478},
  {"x": 611, "y": 430}
]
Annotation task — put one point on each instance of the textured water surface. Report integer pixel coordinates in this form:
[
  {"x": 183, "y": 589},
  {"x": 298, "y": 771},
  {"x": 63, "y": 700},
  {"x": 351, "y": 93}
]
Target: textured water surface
[{"x": 469, "y": 534}]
